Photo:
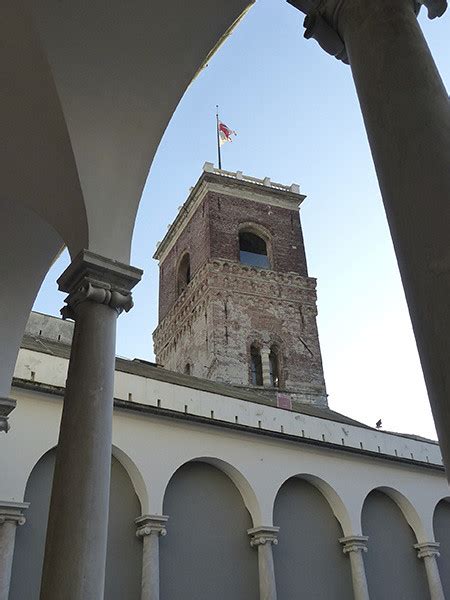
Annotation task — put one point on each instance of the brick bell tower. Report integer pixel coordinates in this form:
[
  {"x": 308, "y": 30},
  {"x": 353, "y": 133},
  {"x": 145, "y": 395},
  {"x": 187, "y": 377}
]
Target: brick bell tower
[{"x": 236, "y": 304}]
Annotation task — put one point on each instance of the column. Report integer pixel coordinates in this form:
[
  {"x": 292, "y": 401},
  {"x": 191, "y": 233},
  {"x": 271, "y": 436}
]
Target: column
[
  {"x": 406, "y": 112},
  {"x": 11, "y": 515},
  {"x": 75, "y": 551},
  {"x": 429, "y": 551},
  {"x": 7, "y": 405},
  {"x": 149, "y": 528},
  {"x": 265, "y": 363},
  {"x": 263, "y": 538},
  {"x": 354, "y": 546}
]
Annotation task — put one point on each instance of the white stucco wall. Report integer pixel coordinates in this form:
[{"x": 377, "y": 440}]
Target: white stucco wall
[{"x": 152, "y": 446}]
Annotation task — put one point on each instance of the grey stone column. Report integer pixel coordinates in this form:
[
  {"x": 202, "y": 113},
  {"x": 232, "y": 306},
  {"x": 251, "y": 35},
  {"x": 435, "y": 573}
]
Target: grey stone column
[
  {"x": 263, "y": 538},
  {"x": 429, "y": 551},
  {"x": 75, "y": 551},
  {"x": 265, "y": 363},
  {"x": 11, "y": 515},
  {"x": 406, "y": 111},
  {"x": 354, "y": 546},
  {"x": 150, "y": 528}
]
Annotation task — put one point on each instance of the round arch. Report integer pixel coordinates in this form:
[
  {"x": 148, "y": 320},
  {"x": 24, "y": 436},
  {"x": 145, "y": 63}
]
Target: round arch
[
  {"x": 183, "y": 272},
  {"x": 134, "y": 474},
  {"x": 247, "y": 492},
  {"x": 331, "y": 496},
  {"x": 260, "y": 231},
  {"x": 407, "y": 508}
]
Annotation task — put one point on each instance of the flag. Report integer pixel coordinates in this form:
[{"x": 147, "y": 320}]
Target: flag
[{"x": 225, "y": 133}]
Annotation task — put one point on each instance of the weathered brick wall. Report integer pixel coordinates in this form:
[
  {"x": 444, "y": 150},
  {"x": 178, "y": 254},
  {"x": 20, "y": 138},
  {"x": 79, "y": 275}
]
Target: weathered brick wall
[
  {"x": 229, "y": 306},
  {"x": 193, "y": 239},
  {"x": 228, "y": 213},
  {"x": 213, "y": 232}
]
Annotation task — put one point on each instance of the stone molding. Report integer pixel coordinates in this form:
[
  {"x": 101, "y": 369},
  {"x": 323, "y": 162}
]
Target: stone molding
[
  {"x": 7, "y": 405},
  {"x": 94, "y": 278},
  {"x": 427, "y": 549},
  {"x": 259, "y": 536},
  {"x": 148, "y": 524},
  {"x": 221, "y": 182},
  {"x": 321, "y": 21},
  {"x": 354, "y": 543},
  {"x": 12, "y": 512},
  {"x": 215, "y": 276}
]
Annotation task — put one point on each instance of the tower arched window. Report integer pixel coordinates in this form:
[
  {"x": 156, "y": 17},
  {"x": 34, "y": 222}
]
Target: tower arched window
[
  {"x": 253, "y": 250},
  {"x": 184, "y": 273},
  {"x": 256, "y": 375},
  {"x": 274, "y": 367}
]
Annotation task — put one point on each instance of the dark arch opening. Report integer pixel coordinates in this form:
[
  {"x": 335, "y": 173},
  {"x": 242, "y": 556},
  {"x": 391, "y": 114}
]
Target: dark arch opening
[
  {"x": 274, "y": 366},
  {"x": 253, "y": 250},
  {"x": 256, "y": 376},
  {"x": 184, "y": 273}
]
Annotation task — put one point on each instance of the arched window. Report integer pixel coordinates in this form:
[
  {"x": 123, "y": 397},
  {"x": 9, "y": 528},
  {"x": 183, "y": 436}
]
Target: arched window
[
  {"x": 184, "y": 273},
  {"x": 274, "y": 366},
  {"x": 187, "y": 369},
  {"x": 253, "y": 250},
  {"x": 256, "y": 376}
]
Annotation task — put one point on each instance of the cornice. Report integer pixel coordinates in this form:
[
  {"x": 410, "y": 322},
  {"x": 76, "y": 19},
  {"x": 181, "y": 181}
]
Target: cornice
[
  {"x": 235, "y": 185},
  {"x": 204, "y": 286}
]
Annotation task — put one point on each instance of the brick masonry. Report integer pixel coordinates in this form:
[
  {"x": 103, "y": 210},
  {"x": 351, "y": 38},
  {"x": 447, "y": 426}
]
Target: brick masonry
[{"x": 227, "y": 306}]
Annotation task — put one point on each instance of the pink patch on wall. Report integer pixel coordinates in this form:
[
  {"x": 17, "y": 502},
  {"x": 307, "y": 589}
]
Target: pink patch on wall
[{"x": 284, "y": 401}]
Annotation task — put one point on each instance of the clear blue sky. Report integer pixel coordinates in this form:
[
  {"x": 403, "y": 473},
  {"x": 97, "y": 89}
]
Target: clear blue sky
[{"x": 298, "y": 120}]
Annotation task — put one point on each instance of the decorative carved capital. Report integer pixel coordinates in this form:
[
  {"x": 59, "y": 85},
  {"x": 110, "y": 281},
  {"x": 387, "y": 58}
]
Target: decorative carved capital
[
  {"x": 148, "y": 524},
  {"x": 263, "y": 535},
  {"x": 94, "y": 278},
  {"x": 6, "y": 406},
  {"x": 321, "y": 21},
  {"x": 354, "y": 543},
  {"x": 427, "y": 549},
  {"x": 11, "y": 512}
]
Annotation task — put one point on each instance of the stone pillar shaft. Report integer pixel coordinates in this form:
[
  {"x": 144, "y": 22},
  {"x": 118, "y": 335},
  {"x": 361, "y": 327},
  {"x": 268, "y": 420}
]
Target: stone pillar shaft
[
  {"x": 263, "y": 538},
  {"x": 265, "y": 362},
  {"x": 75, "y": 552},
  {"x": 354, "y": 546},
  {"x": 406, "y": 111},
  {"x": 11, "y": 516},
  {"x": 150, "y": 528},
  {"x": 429, "y": 551}
]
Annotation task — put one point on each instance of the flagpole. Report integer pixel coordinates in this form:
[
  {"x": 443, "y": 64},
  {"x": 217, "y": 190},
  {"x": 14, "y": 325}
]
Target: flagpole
[{"x": 218, "y": 139}]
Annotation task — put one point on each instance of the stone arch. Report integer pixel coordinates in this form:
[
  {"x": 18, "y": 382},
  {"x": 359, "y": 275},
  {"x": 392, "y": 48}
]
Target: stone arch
[
  {"x": 441, "y": 528},
  {"x": 123, "y": 575},
  {"x": 405, "y": 505},
  {"x": 393, "y": 527},
  {"x": 261, "y": 232},
  {"x": 140, "y": 487},
  {"x": 311, "y": 514},
  {"x": 207, "y": 553},
  {"x": 247, "y": 492},
  {"x": 184, "y": 274},
  {"x": 332, "y": 497}
]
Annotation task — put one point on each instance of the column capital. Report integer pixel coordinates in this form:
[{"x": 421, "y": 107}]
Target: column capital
[
  {"x": 97, "y": 279},
  {"x": 7, "y": 405},
  {"x": 354, "y": 543},
  {"x": 148, "y": 524},
  {"x": 427, "y": 549},
  {"x": 322, "y": 16},
  {"x": 263, "y": 535},
  {"x": 12, "y": 512}
]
